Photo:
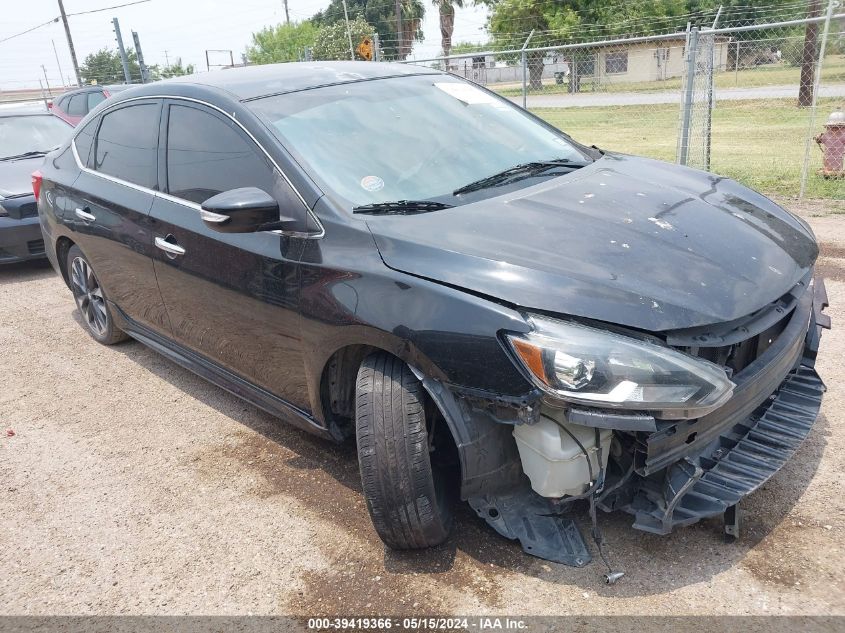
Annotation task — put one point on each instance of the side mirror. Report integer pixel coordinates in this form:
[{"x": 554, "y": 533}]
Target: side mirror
[{"x": 243, "y": 210}]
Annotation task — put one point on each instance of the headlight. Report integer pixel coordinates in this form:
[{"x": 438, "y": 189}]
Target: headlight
[
  {"x": 598, "y": 368},
  {"x": 3, "y": 211}
]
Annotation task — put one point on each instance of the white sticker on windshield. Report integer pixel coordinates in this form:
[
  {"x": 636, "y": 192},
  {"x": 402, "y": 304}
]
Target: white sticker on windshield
[
  {"x": 372, "y": 183},
  {"x": 467, "y": 93}
]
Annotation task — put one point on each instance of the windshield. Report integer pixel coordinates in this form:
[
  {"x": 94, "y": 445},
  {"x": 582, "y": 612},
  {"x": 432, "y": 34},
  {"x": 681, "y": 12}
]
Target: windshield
[
  {"x": 408, "y": 138},
  {"x": 25, "y": 134}
]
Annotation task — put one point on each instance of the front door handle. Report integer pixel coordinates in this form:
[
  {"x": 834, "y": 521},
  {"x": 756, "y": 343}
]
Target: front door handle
[
  {"x": 83, "y": 214},
  {"x": 168, "y": 246}
]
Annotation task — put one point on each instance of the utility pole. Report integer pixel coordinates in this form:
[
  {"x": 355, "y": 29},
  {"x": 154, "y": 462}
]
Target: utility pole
[
  {"x": 70, "y": 44},
  {"x": 399, "y": 39},
  {"x": 287, "y": 15},
  {"x": 166, "y": 59},
  {"x": 46, "y": 81},
  {"x": 348, "y": 32},
  {"x": 124, "y": 60},
  {"x": 44, "y": 96},
  {"x": 58, "y": 63},
  {"x": 145, "y": 73}
]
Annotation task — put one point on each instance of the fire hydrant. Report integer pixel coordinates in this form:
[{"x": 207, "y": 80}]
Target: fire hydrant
[{"x": 832, "y": 144}]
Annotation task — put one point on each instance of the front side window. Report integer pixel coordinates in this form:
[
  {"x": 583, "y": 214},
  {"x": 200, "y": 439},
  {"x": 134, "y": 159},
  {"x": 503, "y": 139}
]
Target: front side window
[
  {"x": 407, "y": 138},
  {"x": 207, "y": 155},
  {"x": 127, "y": 144}
]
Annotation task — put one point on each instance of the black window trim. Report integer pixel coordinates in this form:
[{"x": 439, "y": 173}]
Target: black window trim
[{"x": 165, "y": 196}]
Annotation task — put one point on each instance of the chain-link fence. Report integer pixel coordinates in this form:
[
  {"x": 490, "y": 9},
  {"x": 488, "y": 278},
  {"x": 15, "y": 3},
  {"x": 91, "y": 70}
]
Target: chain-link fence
[{"x": 742, "y": 100}]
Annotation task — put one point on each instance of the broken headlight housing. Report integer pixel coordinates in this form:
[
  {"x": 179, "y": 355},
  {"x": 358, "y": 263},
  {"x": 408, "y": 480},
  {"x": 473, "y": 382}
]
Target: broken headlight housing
[{"x": 585, "y": 365}]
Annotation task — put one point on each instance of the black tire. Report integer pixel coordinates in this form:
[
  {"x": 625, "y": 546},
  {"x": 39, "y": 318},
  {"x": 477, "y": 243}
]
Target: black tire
[
  {"x": 408, "y": 499},
  {"x": 90, "y": 298}
]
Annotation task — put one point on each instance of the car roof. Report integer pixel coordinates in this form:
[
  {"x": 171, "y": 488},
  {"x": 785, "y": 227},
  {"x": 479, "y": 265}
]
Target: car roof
[
  {"x": 95, "y": 87},
  {"x": 251, "y": 82}
]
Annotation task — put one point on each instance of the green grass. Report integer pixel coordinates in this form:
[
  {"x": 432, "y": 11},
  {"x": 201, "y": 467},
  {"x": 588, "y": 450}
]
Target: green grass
[
  {"x": 833, "y": 70},
  {"x": 759, "y": 143}
]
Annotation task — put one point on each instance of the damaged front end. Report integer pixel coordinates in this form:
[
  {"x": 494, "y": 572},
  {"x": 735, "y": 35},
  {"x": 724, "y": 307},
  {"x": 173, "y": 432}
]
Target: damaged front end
[{"x": 524, "y": 461}]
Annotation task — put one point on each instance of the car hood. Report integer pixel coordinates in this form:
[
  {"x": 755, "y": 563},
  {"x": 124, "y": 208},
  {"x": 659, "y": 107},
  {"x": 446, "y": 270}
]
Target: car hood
[
  {"x": 16, "y": 175},
  {"x": 626, "y": 240}
]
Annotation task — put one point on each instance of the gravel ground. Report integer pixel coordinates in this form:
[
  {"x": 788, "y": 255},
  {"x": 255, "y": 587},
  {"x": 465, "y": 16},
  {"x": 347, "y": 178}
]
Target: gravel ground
[{"x": 130, "y": 486}]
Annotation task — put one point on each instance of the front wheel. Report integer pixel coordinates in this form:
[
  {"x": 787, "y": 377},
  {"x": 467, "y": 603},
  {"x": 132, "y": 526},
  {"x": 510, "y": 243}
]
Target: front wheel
[
  {"x": 407, "y": 496},
  {"x": 91, "y": 300}
]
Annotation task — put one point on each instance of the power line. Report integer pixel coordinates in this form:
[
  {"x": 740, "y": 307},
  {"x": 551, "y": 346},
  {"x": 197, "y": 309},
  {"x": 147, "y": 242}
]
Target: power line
[
  {"x": 11, "y": 37},
  {"x": 57, "y": 18},
  {"x": 116, "y": 6}
]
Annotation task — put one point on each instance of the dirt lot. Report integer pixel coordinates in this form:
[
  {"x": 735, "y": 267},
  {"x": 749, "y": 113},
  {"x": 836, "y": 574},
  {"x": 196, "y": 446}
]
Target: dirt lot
[{"x": 132, "y": 486}]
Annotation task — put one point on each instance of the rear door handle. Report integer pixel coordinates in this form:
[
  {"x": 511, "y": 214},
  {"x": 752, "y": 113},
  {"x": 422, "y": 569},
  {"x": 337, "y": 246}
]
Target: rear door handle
[
  {"x": 171, "y": 248},
  {"x": 83, "y": 214}
]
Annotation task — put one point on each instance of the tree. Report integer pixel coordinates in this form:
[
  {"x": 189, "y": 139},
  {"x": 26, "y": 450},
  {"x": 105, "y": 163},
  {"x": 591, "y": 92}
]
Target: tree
[
  {"x": 809, "y": 57},
  {"x": 469, "y": 47},
  {"x": 550, "y": 19},
  {"x": 382, "y": 16},
  {"x": 332, "y": 40},
  {"x": 282, "y": 43},
  {"x": 446, "y": 9},
  {"x": 173, "y": 70},
  {"x": 104, "y": 67}
]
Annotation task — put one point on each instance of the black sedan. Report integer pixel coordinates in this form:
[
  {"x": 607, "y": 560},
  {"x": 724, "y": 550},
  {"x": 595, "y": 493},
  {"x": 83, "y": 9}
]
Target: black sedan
[
  {"x": 25, "y": 138},
  {"x": 493, "y": 310}
]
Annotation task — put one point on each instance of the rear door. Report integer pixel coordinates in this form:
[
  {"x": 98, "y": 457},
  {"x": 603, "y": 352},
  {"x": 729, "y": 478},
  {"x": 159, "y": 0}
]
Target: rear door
[
  {"x": 233, "y": 298},
  {"x": 111, "y": 201}
]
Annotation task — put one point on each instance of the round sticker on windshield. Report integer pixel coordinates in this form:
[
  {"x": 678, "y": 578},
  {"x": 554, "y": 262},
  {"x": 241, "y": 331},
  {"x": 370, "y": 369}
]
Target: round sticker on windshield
[{"x": 372, "y": 183}]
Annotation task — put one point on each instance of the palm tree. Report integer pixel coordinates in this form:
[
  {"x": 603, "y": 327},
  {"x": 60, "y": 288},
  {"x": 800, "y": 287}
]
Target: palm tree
[{"x": 447, "y": 22}]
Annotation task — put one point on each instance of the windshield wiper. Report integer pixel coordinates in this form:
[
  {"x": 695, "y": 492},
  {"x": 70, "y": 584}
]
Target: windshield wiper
[
  {"x": 518, "y": 172},
  {"x": 401, "y": 207},
  {"x": 27, "y": 155}
]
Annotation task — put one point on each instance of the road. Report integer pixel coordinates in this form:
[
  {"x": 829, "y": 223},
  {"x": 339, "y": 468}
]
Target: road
[
  {"x": 131, "y": 486},
  {"x": 605, "y": 99}
]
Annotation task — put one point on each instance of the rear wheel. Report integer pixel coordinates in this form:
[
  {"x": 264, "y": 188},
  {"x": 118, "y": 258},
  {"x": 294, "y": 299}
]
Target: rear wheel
[
  {"x": 399, "y": 432},
  {"x": 91, "y": 300}
]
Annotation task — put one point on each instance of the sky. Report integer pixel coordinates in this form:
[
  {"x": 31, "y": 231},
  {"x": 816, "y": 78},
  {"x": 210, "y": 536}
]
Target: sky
[{"x": 167, "y": 29}]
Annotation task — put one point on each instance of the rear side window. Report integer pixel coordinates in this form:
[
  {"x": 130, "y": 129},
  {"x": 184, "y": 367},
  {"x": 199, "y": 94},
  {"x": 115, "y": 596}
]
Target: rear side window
[
  {"x": 127, "y": 144},
  {"x": 94, "y": 98},
  {"x": 207, "y": 155},
  {"x": 77, "y": 106},
  {"x": 84, "y": 141}
]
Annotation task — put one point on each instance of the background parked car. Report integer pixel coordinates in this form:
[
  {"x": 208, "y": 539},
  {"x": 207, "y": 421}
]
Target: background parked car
[
  {"x": 25, "y": 137},
  {"x": 74, "y": 105}
]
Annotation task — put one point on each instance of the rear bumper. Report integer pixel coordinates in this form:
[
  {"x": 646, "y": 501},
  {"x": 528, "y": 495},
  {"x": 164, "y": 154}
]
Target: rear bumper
[
  {"x": 695, "y": 469},
  {"x": 20, "y": 240}
]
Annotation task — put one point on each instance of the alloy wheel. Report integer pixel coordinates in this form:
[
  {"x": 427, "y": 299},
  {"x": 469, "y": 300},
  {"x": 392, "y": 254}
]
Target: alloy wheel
[{"x": 89, "y": 296}]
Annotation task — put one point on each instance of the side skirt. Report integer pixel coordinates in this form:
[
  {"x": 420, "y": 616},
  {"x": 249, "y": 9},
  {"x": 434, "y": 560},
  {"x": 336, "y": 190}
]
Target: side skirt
[{"x": 221, "y": 377}]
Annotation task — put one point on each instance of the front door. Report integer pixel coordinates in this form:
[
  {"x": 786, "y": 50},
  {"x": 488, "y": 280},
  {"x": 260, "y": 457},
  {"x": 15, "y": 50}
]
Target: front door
[{"x": 233, "y": 298}]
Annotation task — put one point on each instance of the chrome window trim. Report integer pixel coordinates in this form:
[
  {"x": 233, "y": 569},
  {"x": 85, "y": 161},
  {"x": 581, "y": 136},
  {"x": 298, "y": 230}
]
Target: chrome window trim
[{"x": 188, "y": 203}]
